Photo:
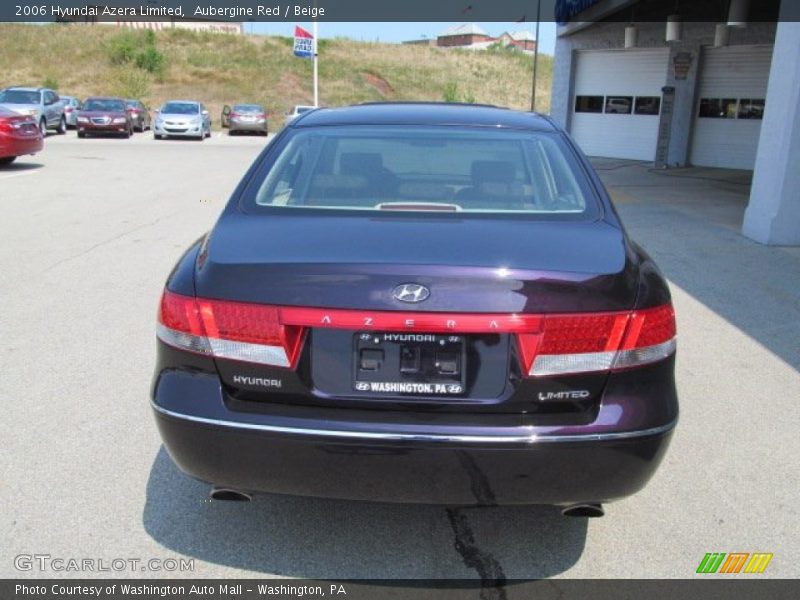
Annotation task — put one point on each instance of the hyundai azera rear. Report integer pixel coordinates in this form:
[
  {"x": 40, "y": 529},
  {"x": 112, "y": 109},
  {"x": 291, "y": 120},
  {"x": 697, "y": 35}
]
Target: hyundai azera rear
[{"x": 420, "y": 303}]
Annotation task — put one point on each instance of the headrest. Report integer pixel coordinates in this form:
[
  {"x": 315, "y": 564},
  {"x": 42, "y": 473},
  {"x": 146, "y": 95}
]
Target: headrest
[
  {"x": 495, "y": 171},
  {"x": 357, "y": 163}
]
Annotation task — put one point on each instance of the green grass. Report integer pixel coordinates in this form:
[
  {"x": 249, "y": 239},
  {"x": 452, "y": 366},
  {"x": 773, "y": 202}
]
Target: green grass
[{"x": 221, "y": 69}]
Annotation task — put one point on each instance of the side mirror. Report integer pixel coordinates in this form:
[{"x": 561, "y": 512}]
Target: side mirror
[{"x": 205, "y": 113}]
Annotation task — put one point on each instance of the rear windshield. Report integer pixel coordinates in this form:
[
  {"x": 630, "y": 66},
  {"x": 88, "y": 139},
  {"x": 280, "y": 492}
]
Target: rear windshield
[
  {"x": 443, "y": 169},
  {"x": 248, "y": 108},
  {"x": 180, "y": 108},
  {"x": 104, "y": 105},
  {"x": 19, "y": 97}
]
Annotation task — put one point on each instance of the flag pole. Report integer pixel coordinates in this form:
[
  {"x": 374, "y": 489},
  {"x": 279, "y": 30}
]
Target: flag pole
[{"x": 316, "y": 73}]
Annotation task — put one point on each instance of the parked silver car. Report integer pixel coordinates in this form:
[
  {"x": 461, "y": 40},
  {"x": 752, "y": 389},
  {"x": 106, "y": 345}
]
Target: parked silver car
[
  {"x": 71, "y": 107},
  {"x": 296, "y": 112},
  {"x": 43, "y": 104},
  {"x": 182, "y": 118},
  {"x": 247, "y": 117}
]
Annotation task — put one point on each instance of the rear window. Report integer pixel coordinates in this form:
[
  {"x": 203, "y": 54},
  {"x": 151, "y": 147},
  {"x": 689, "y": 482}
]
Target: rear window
[
  {"x": 443, "y": 169},
  {"x": 247, "y": 108},
  {"x": 19, "y": 97}
]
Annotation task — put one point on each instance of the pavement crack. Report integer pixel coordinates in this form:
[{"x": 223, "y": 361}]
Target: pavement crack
[
  {"x": 493, "y": 579},
  {"x": 478, "y": 482},
  {"x": 108, "y": 241}
]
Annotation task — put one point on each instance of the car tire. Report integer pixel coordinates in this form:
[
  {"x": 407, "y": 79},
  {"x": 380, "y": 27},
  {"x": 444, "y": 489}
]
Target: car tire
[
  {"x": 81, "y": 134},
  {"x": 43, "y": 127},
  {"x": 62, "y": 126},
  {"x": 7, "y": 160}
]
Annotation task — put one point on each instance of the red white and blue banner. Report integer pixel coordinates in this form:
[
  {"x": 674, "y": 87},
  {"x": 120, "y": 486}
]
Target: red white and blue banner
[{"x": 303, "y": 43}]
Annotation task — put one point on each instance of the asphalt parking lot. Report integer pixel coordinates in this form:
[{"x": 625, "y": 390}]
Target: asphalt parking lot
[{"x": 90, "y": 230}]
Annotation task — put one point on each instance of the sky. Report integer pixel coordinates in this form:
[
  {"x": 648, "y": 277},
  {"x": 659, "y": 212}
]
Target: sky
[{"x": 398, "y": 32}]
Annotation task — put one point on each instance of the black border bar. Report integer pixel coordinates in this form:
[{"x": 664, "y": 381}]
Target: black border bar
[
  {"x": 560, "y": 11},
  {"x": 711, "y": 588}
]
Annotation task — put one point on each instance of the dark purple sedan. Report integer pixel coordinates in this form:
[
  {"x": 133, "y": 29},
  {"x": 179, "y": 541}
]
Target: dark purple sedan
[{"x": 414, "y": 302}]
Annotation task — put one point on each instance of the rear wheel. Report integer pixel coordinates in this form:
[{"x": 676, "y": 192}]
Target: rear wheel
[
  {"x": 62, "y": 126},
  {"x": 81, "y": 134},
  {"x": 7, "y": 160}
]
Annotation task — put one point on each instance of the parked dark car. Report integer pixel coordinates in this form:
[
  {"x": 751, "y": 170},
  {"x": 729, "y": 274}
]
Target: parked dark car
[
  {"x": 250, "y": 118},
  {"x": 140, "y": 115},
  {"x": 413, "y": 302},
  {"x": 19, "y": 135},
  {"x": 104, "y": 115}
]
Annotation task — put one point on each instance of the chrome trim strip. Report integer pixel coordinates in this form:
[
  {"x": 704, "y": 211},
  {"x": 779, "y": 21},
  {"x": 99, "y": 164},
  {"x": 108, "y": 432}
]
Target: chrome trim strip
[{"x": 531, "y": 438}]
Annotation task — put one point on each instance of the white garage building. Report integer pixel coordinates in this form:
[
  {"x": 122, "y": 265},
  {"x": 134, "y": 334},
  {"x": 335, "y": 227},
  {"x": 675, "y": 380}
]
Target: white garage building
[{"x": 715, "y": 94}]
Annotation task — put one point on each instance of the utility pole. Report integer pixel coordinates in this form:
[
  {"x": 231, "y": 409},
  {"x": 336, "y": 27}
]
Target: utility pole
[{"x": 536, "y": 55}]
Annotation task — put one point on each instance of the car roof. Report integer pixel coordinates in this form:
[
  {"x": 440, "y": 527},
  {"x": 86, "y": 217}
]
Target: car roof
[
  {"x": 24, "y": 88},
  {"x": 182, "y": 102},
  {"x": 425, "y": 113}
]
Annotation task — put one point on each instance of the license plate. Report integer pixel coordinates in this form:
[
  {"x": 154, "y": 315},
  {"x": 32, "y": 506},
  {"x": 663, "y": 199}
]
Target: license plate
[{"x": 399, "y": 364}]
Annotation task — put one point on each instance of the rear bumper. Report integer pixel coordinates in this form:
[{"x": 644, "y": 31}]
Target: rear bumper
[
  {"x": 423, "y": 462},
  {"x": 19, "y": 146},
  {"x": 109, "y": 128},
  {"x": 192, "y": 131},
  {"x": 247, "y": 126}
]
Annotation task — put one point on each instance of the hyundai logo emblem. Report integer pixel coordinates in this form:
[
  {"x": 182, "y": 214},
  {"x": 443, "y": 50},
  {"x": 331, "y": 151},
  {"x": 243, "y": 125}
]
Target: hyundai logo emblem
[{"x": 410, "y": 292}]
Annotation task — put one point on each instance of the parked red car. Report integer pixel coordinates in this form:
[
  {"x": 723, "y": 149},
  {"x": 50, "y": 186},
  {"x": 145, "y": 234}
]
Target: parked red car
[
  {"x": 104, "y": 116},
  {"x": 19, "y": 135}
]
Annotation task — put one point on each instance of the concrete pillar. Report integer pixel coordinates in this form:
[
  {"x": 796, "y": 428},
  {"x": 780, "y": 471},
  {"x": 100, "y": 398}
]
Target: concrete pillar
[
  {"x": 561, "y": 92},
  {"x": 773, "y": 213}
]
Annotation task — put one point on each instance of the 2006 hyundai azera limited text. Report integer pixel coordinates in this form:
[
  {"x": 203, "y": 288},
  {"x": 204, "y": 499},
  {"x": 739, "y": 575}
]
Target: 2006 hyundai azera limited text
[{"x": 424, "y": 303}]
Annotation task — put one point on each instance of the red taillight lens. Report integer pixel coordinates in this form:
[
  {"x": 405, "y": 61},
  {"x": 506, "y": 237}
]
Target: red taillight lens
[
  {"x": 180, "y": 313},
  {"x": 570, "y": 334},
  {"x": 234, "y": 115},
  {"x": 650, "y": 327}
]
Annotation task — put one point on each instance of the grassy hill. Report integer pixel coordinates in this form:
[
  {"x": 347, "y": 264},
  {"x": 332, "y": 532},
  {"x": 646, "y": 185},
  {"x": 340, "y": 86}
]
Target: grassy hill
[{"x": 221, "y": 69}]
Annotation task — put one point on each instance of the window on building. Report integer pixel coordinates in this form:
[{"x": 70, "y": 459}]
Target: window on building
[
  {"x": 751, "y": 108},
  {"x": 718, "y": 108},
  {"x": 588, "y": 104},
  {"x": 619, "y": 105},
  {"x": 647, "y": 105}
]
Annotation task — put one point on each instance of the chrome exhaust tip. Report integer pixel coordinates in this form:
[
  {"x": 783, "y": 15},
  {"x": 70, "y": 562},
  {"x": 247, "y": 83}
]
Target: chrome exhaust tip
[
  {"x": 583, "y": 510},
  {"x": 229, "y": 495}
]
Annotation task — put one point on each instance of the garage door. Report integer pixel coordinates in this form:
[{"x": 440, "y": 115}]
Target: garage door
[
  {"x": 617, "y": 102},
  {"x": 731, "y": 93}
]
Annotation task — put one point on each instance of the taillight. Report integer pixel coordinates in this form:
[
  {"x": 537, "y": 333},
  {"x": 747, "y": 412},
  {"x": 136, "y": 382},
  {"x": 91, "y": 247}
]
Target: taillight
[
  {"x": 11, "y": 124},
  {"x": 234, "y": 330},
  {"x": 548, "y": 344},
  {"x": 234, "y": 115},
  {"x": 583, "y": 343}
]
